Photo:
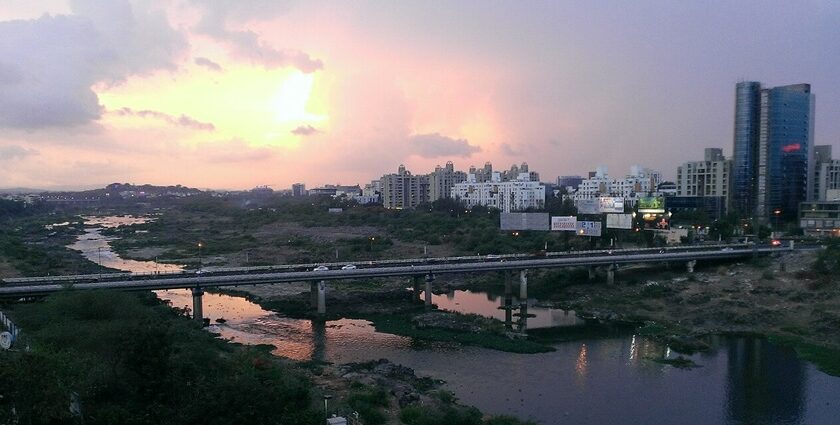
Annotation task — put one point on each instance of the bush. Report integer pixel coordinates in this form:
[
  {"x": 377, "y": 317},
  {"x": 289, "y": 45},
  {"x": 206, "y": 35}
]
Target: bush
[{"x": 828, "y": 260}]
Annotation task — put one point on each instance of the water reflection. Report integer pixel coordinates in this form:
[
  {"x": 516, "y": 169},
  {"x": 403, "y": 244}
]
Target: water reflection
[
  {"x": 765, "y": 382},
  {"x": 594, "y": 381},
  {"x": 503, "y": 308}
]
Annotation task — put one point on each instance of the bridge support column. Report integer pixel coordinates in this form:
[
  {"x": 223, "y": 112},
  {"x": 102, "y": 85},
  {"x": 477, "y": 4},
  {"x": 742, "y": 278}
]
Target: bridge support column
[
  {"x": 611, "y": 274},
  {"x": 428, "y": 289},
  {"x": 690, "y": 266},
  {"x": 313, "y": 295},
  {"x": 591, "y": 272},
  {"x": 415, "y": 287},
  {"x": 523, "y": 286},
  {"x": 322, "y": 297},
  {"x": 198, "y": 308}
]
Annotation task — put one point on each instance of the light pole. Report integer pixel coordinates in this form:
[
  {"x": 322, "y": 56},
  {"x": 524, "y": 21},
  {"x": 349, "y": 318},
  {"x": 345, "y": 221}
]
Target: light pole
[
  {"x": 371, "y": 243},
  {"x": 776, "y": 213},
  {"x": 326, "y": 399},
  {"x": 199, "y": 257}
]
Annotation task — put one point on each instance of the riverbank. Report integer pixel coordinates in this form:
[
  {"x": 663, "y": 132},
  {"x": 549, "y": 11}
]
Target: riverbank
[{"x": 777, "y": 297}]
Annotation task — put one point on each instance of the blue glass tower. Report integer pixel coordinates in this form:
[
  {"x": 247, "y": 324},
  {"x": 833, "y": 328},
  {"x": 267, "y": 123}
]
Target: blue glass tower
[
  {"x": 745, "y": 147},
  {"x": 772, "y": 150},
  {"x": 785, "y": 140}
]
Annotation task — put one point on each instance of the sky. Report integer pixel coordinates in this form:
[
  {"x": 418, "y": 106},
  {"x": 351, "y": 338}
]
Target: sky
[{"x": 235, "y": 94}]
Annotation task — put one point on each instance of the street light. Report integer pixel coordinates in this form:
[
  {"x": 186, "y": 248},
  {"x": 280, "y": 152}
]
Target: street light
[
  {"x": 326, "y": 399},
  {"x": 199, "y": 256},
  {"x": 777, "y": 212}
]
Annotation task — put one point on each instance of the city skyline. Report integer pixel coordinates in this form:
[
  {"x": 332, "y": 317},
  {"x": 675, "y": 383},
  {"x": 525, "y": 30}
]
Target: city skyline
[{"x": 232, "y": 96}]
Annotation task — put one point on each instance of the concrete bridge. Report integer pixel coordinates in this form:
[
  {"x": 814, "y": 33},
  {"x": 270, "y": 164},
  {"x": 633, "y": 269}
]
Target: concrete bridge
[{"x": 419, "y": 269}]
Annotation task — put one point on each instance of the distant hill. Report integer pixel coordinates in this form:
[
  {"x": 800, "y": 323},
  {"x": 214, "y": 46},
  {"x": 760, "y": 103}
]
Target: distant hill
[{"x": 16, "y": 190}]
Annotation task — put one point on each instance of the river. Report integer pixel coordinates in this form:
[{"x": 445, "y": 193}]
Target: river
[{"x": 741, "y": 380}]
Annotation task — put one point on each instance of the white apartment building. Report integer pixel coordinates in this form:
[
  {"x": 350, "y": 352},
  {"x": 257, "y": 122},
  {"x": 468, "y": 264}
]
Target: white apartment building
[
  {"x": 640, "y": 181},
  {"x": 705, "y": 178},
  {"x": 828, "y": 182},
  {"x": 506, "y": 196}
]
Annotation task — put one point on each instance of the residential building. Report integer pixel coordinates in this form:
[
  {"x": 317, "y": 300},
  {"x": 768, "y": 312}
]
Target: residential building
[
  {"x": 820, "y": 218},
  {"x": 507, "y": 196},
  {"x": 298, "y": 189},
  {"x": 710, "y": 177},
  {"x": 404, "y": 190},
  {"x": 570, "y": 183},
  {"x": 772, "y": 149},
  {"x": 442, "y": 180},
  {"x": 640, "y": 181}
]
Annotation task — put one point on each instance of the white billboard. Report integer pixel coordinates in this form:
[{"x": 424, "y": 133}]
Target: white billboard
[
  {"x": 610, "y": 204},
  {"x": 588, "y": 206},
  {"x": 564, "y": 223},
  {"x": 619, "y": 221},
  {"x": 588, "y": 228}
]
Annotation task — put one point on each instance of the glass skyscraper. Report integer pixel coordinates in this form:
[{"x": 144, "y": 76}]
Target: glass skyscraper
[{"x": 773, "y": 149}]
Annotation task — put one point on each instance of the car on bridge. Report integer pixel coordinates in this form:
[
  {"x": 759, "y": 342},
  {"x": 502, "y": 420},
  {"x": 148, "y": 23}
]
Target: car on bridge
[
  {"x": 320, "y": 269},
  {"x": 349, "y": 267}
]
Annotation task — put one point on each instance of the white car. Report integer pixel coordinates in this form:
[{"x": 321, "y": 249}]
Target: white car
[
  {"x": 320, "y": 269},
  {"x": 349, "y": 267}
]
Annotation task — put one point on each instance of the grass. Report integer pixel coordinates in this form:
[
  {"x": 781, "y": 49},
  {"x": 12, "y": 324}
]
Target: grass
[
  {"x": 401, "y": 324},
  {"x": 826, "y": 359}
]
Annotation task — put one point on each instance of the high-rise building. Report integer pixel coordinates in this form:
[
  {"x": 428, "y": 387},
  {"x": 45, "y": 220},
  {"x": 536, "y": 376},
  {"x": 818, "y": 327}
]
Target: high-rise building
[
  {"x": 822, "y": 156},
  {"x": 404, "y": 190},
  {"x": 705, "y": 178},
  {"x": 773, "y": 149},
  {"x": 298, "y": 189},
  {"x": 745, "y": 147},
  {"x": 442, "y": 180}
]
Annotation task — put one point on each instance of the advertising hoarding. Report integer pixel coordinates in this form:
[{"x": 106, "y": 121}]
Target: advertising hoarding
[
  {"x": 610, "y": 204},
  {"x": 564, "y": 223},
  {"x": 619, "y": 221},
  {"x": 524, "y": 221},
  {"x": 652, "y": 204},
  {"x": 588, "y": 228},
  {"x": 588, "y": 206}
]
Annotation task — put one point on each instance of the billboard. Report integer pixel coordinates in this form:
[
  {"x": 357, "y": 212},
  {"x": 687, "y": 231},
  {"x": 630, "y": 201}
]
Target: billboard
[
  {"x": 588, "y": 206},
  {"x": 609, "y": 204},
  {"x": 652, "y": 204},
  {"x": 564, "y": 223},
  {"x": 524, "y": 221},
  {"x": 619, "y": 221},
  {"x": 588, "y": 228}
]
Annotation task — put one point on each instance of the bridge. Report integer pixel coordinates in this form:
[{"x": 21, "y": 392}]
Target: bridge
[{"x": 418, "y": 269}]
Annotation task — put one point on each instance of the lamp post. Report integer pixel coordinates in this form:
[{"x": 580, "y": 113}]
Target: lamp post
[
  {"x": 776, "y": 213},
  {"x": 200, "y": 265},
  {"x": 372, "y": 238},
  {"x": 327, "y": 397}
]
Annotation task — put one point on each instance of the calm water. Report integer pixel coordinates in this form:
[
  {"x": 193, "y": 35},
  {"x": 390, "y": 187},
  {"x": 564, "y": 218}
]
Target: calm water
[{"x": 609, "y": 381}]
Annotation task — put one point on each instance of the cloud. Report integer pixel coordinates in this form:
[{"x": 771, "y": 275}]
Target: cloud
[
  {"x": 48, "y": 65},
  {"x": 207, "y": 63},
  {"x": 510, "y": 150},
  {"x": 180, "y": 121},
  {"x": 219, "y": 16},
  {"x": 8, "y": 153},
  {"x": 305, "y": 130},
  {"x": 435, "y": 145}
]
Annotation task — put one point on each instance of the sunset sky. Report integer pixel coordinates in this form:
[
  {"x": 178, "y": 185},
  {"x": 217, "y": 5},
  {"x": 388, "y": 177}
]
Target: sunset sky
[{"x": 234, "y": 94}]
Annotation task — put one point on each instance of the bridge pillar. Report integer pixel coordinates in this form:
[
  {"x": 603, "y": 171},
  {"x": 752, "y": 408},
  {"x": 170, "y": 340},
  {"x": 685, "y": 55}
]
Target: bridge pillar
[
  {"x": 523, "y": 285},
  {"x": 428, "y": 289},
  {"x": 313, "y": 294},
  {"x": 322, "y": 297},
  {"x": 415, "y": 286},
  {"x": 690, "y": 266},
  {"x": 591, "y": 272},
  {"x": 611, "y": 274},
  {"x": 198, "y": 308}
]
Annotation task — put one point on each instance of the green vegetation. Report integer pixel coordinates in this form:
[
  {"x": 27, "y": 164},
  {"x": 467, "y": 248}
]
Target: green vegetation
[
  {"x": 828, "y": 260},
  {"x": 826, "y": 359},
  {"x": 402, "y": 324},
  {"x": 454, "y": 415},
  {"x": 30, "y": 248},
  {"x": 127, "y": 358},
  {"x": 369, "y": 402}
]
